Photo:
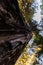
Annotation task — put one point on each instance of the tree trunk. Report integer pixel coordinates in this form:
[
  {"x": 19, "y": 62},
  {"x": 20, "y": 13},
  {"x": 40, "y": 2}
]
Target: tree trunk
[{"x": 14, "y": 32}]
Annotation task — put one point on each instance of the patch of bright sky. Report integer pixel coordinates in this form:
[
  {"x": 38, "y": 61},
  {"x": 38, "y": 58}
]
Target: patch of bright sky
[
  {"x": 37, "y": 15},
  {"x": 41, "y": 33}
]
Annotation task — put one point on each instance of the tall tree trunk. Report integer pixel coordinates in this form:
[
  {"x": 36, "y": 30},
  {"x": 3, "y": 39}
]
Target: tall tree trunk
[{"x": 14, "y": 32}]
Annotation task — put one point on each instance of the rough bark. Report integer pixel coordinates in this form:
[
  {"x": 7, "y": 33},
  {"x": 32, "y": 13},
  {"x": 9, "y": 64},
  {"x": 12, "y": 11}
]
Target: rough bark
[{"x": 14, "y": 32}]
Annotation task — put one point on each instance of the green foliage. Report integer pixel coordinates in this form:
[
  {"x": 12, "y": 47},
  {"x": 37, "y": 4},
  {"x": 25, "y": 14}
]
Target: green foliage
[
  {"x": 25, "y": 7},
  {"x": 38, "y": 39}
]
